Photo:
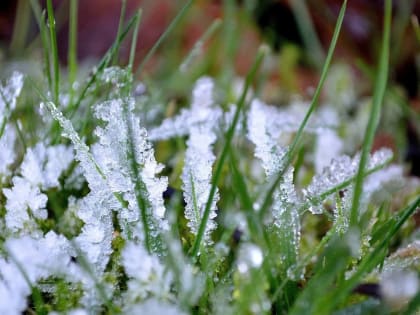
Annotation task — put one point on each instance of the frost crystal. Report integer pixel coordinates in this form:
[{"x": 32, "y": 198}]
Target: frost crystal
[
  {"x": 199, "y": 159},
  {"x": 250, "y": 256},
  {"x": 24, "y": 199},
  {"x": 7, "y": 150},
  {"x": 117, "y": 151},
  {"x": 147, "y": 274},
  {"x": 43, "y": 166},
  {"x": 8, "y": 95},
  {"x": 264, "y": 132},
  {"x": 201, "y": 112}
]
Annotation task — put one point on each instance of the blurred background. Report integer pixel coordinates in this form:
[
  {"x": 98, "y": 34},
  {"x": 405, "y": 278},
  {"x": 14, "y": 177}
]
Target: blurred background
[{"x": 298, "y": 31}]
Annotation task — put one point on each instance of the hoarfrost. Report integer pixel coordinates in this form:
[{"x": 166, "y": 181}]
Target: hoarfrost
[
  {"x": 199, "y": 159},
  {"x": 7, "y": 150}
]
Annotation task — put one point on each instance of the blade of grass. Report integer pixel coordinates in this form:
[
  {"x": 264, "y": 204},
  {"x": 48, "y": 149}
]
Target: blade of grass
[
  {"x": 20, "y": 27},
  {"x": 134, "y": 40},
  {"x": 162, "y": 37},
  {"x": 226, "y": 148},
  {"x": 294, "y": 146},
  {"x": 105, "y": 61},
  {"x": 416, "y": 27},
  {"x": 40, "y": 18},
  {"x": 120, "y": 26},
  {"x": 307, "y": 31},
  {"x": 378, "y": 96},
  {"x": 72, "y": 52},
  {"x": 54, "y": 51}
]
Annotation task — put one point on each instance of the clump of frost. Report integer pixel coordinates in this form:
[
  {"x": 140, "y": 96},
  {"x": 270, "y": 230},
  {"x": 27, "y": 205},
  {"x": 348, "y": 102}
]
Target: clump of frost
[
  {"x": 250, "y": 257},
  {"x": 42, "y": 166},
  {"x": 9, "y": 94},
  {"x": 147, "y": 275},
  {"x": 30, "y": 260},
  {"x": 201, "y": 112},
  {"x": 199, "y": 158},
  {"x": 153, "y": 306},
  {"x": 116, "y": 152},
  {"x": 23, "y": 203},
  {"x": 398, "y": 287},
  {"x": 7, "y": 150}
]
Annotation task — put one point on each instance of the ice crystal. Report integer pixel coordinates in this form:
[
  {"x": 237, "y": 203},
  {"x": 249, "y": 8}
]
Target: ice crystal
[
  {"x": 24, "y": 201},
  {"x": 8, "y": 95},
  {"x": 7, "y": 149},
  {"x": 250, "y": 257},
  {"x": 114, "y": 154},
  {"x": 153, "y": 306},
  {"x": 264, "y": 132},
  {"x": 201, "y": 112},
  {"x": 199, "y": 158},
  {"x": 43, "y": 166},
  {"x": 340, "y": 170},
  {"x": 34, "y": 259},
  {"x": 146, "y": 273}
]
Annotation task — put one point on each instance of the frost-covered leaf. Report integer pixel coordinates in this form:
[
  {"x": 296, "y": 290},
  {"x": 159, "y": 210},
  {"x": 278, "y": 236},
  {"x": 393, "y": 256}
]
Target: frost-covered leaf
[
  {"x": 124, "y": 153},
  {"x": 199, "y": 159}
]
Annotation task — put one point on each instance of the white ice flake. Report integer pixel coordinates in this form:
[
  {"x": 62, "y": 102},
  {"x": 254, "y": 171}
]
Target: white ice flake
[
  {"x": 199, "y": 159},
  {"x": 8, "y": 95},
  {"x": 7, "y": 150},
  {"x": 146, "y": 273},
  {"x": 23, "y": 198},
  {"x": 201, "y": 112},
  {"x": 44, "y": 165}
]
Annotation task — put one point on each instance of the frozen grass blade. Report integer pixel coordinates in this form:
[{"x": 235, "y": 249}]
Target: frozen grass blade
[
  {"x": 294, "y": 146},
  {"x": 371, "y": 260},
  {"x": 225, "y": 151},
  {"x": 378, "y": 96},
  {"x": 120, "y": 25}
]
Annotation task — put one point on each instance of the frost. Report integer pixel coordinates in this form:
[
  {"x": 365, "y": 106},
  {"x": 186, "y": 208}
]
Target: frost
[
  {"x": 24, "y": 199},
  {"x": 8, "y": 95},
  {"x": 398, "y": 287},
  {"x": 147, "y": 274},
  {"x": 250, "y": 256},
  {"x": 153, "y": 306},
  {"x": 117, "y": 151},
  {"x": 201, "y": 112},
  {"x": 7, "y": 149},
  {"x": 265, "y": 132},
  {"x": 199, "y": 159},
  {"x": 328, "y": 147},
  {"x": 43, "y": 166},
  {"x": 340, "y": 170},
  {"x": 32, "y": 258}
]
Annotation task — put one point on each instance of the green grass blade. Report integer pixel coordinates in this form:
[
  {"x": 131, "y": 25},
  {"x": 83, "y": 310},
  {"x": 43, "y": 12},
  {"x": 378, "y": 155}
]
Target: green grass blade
[
  {"x": 72, "y": 52},
  {"x": 20, "y": 27},
  {"x": 40, "y": 18},
  {"x": 162, "y": 37},
  {"x": 54, "y": 51},
  {"x": 134, "y": 40},
  {"x": 294, "y": 146},
  {"x": 378, "y": 96},
  {"x": 120, "y": 26},
  {"x": 226, "y": 148}
]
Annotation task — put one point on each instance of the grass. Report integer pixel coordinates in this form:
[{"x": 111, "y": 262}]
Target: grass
[{"x": 256, "y": 262}]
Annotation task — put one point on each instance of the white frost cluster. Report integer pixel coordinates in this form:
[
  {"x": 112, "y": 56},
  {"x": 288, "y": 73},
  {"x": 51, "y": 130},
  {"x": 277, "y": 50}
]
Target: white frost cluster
[
  {"x": 147, "y": 275},
  {"x": 9, "y": 94},
  {"x": 199, "y": 158},
  {"x": 115, "y": 153}
]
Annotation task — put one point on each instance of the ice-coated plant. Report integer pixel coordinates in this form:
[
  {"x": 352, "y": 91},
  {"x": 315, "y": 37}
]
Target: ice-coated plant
[{"x": 111, "y": 203}]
